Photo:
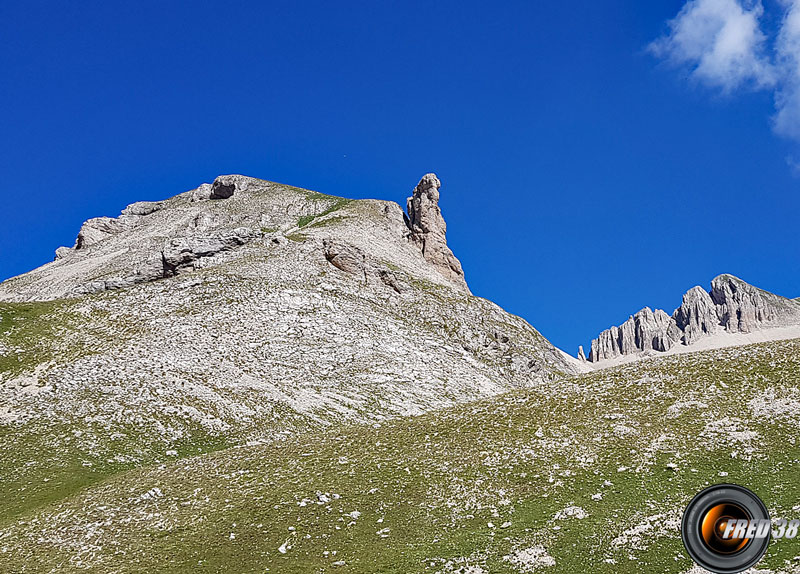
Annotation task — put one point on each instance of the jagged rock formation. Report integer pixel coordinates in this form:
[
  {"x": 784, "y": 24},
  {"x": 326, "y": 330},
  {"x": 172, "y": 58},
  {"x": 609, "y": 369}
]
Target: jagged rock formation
[
  {"x": 732, "y": 306},
  {"x": 697, "y": 315},
  {"x": 428, "y": 229}
]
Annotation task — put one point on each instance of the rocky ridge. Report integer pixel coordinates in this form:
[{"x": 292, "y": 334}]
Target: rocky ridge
[{"x": 731, "y": 306}]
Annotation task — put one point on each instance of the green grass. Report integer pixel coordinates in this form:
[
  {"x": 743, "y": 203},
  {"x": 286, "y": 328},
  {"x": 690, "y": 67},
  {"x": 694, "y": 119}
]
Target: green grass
[
  {"x": 30, "y": 328},
  {"x": 337, "y": 204},
  {"x": 438, "y": 480}
]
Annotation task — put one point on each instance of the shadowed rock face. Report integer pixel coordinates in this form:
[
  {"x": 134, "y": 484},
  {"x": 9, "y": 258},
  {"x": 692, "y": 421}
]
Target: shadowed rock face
[
  {"x": 732, "y": 306},
  {"x": 428, "y": 230}
]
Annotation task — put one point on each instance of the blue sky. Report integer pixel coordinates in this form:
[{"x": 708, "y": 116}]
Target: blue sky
[{"x": 596, "y": 157}]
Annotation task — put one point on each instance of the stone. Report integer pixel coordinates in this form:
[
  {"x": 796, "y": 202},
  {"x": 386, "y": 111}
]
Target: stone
[
  {"x": 203, "y": 220},
  {"x": 348, "y": 258},
  {"x": 201, "y": 193},
  {"x": 142, "y": 208},
  {"x": 428, "y": 230},
  {"x": 63, "y": 252},
  {"x": 223, "y": 187},
  {"x": 581, "y": 354}
]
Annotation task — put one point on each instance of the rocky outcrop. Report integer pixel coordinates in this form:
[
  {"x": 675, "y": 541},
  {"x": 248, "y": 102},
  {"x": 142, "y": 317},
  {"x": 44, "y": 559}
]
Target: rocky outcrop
[
  {"x": 428, "y": 229},
  {"x": 352, "y": 260},
  {"x": 732, "y": 305},
  {"x": 697, "y": 315},
  {"x": 345, "y": 257},
  {"x": 183, "y": 252},
  {"x": 647, "y": 330},
  {"x": 223, "y": 187},
  {"x": 176, "y": 256},
  {"x": 99, "y": 229},
  {"x": 143, "y": 208},
  {"x": 62, "y": 252},
  {"x": 743, "y": 308}
]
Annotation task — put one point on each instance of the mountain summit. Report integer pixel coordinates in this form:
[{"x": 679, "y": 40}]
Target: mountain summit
[{"x": 732, "y": 312}]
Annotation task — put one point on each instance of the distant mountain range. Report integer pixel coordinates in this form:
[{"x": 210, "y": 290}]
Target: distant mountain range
[{"x": 732, "y": 312}]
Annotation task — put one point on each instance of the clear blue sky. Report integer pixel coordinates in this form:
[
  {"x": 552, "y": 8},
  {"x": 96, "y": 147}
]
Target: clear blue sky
[{"x": 584, "y": 176}]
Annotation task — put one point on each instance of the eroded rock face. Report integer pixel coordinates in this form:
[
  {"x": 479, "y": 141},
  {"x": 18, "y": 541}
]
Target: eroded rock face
[
  {"x": 697, "y": 315},
  {"x": 655, "y": 330},
  {"x": 732, "y": 305},
  {"x": 647, "y": 330},
  {"x": 743, "y": 308},
  {"x": 177, "y": 255},
  {"x": 428, "y": 229},
  {"x": 99, "y": 229},
  {"x": 63, "y": 252},
  {"x": 183, "y": 252}
]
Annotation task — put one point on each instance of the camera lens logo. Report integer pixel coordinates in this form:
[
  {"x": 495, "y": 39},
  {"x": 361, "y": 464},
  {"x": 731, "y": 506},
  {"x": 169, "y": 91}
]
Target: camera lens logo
[{"x": 726, "y": 529}]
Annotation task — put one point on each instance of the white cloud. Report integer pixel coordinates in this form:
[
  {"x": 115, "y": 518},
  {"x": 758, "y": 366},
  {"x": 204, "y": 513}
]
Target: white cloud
[
  {"x": 721, "y": 41},
  {"x": 787, "y": 95}
]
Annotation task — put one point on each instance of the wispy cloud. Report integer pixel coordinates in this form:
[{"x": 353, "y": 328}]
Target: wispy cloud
[
  {"x": 721, "y": 41},
  {"x": 787, "y": 96},
  {"x": 724, "y": 46}
]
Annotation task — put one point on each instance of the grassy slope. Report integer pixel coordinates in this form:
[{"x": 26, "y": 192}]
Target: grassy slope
[
  {"x": 43, "y": 462},
  {"x": 427, "y": 487}
]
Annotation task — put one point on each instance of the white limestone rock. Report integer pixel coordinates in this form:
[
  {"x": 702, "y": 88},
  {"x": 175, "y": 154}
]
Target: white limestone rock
[
  {"x": 697, "y": 315},
  {"x": 732, "y": 306},
  {"x": 428, "y": 230}
]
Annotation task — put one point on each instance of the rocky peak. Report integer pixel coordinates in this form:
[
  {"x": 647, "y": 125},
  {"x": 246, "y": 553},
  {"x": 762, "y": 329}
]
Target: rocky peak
[
  {"x": 732, "y": 305},
  {"x": 697, "y": 315},
  {"x": 213, "y": 223},
  {"x": 423, "y": 207},
  {"x": 428, "y": 229},
  {"x": 743, "y": 308}
]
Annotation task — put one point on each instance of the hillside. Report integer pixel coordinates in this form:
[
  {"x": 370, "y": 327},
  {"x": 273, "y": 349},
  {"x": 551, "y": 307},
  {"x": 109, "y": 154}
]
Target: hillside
[
  {"x": 240, "y": 311},
  {"x": 587, "y": 474}
]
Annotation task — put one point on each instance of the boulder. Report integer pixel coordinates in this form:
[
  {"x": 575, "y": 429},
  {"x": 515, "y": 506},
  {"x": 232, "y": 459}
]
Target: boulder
[
  {"x": 224, "y": 187},
  {"x": 345, "y": 257},
  {"x": 142, "y": 208},
  {"x": 62, "y": 252}
]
